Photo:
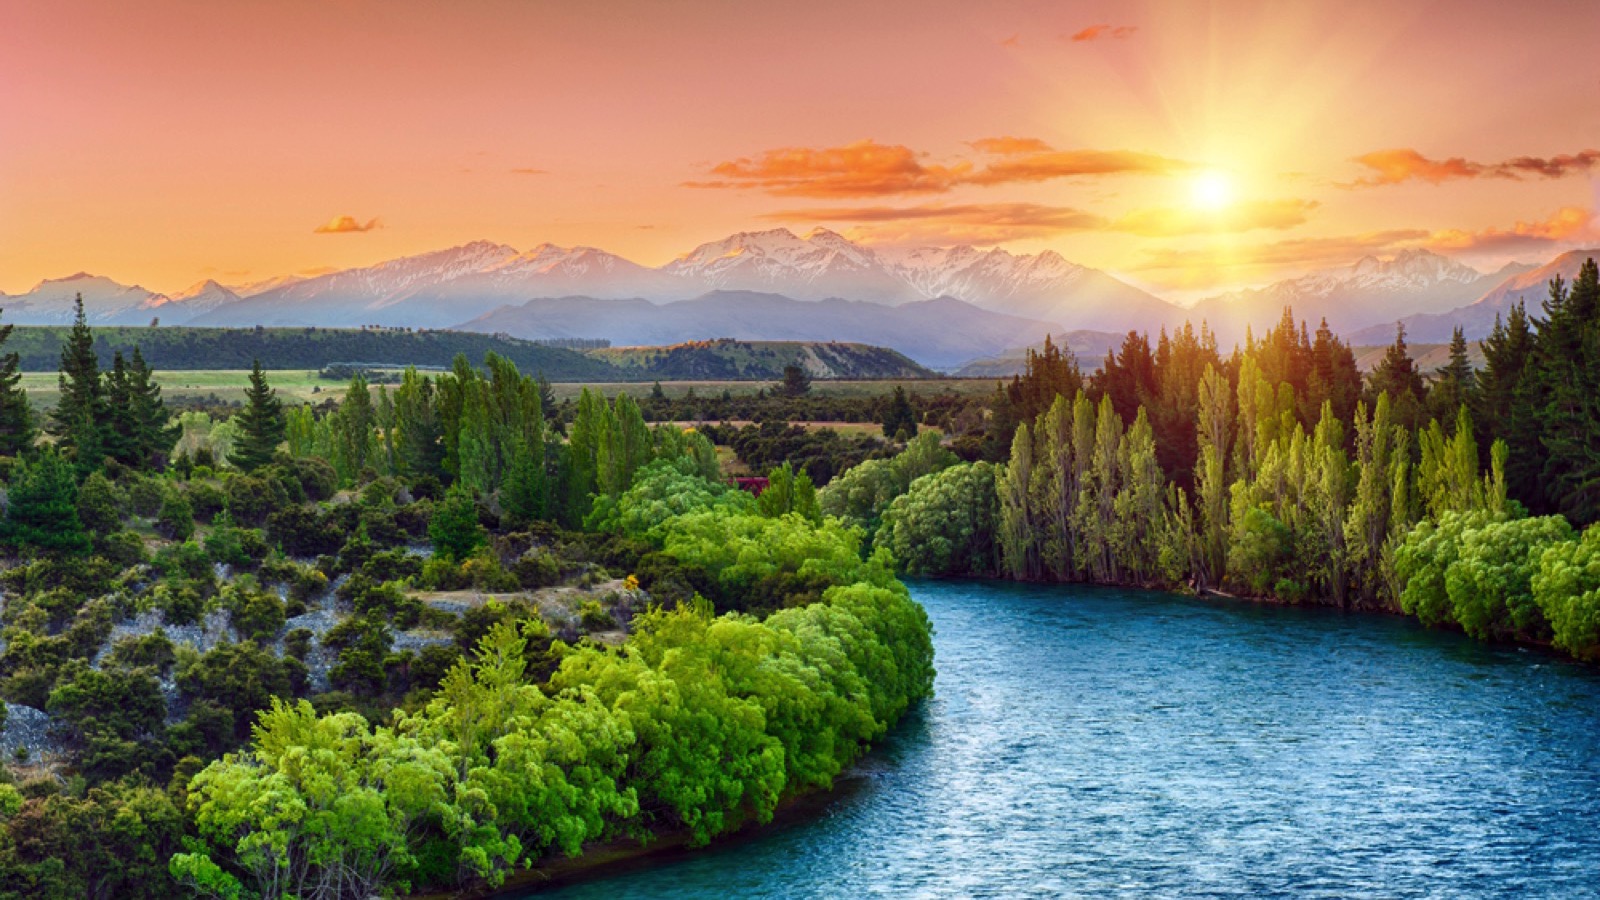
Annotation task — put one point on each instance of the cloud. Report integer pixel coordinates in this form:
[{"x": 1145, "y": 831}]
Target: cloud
[
  {"x": 862, "y": 169},
  {"x": 1570, "y": 224},
  {"x": 1104, "y": 32},
  {"x": 869, "y": 169},
  {"x": 346, "y": 225},
  {"x": 1169, "y": 221},
  {"x": 1403, "y": 164},
  {"x": 1012, "y": 41},
  {"x": 530, "y": 171}
]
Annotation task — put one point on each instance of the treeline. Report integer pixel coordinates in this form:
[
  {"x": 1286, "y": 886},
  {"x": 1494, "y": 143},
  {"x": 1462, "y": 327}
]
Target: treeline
[{"x": 39, "y": 347}]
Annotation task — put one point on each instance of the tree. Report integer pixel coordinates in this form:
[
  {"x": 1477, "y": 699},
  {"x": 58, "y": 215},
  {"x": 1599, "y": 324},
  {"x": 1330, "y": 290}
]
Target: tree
[
  {"x": 946, "y": 523},
  {"x": 899, "y": 419},
  {"x": 154, "y": 432},
  {"x": 79, "y": 419},
  {"x": 1507, "y": 404},
  {"x": 1456, "y": 384},
  {"x": 261, "y": 424},
  {"x": 1569, "y": 371},
  {"x": 454, "y": 528},
  {"x": 16, "y": 416},
  {"x": 42, "y": 507},
  {"x": 796, "y": 382},
  {"x": 1397, "y": 376}
]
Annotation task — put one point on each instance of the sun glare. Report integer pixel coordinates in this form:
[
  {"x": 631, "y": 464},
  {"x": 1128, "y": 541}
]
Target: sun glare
[{"x": 1212, "y": 190}]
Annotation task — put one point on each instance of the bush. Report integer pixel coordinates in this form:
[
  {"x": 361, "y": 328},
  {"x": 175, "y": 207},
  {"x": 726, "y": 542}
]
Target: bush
[
  {"x": 206, "y": 499},
  {"x": 145, "y": 495},
  {"x": 123, "y": 548},
  {"x": 100, "y": 504},
  {"x": 251, "y": 499},
  {"x": 176, "y": 519}
]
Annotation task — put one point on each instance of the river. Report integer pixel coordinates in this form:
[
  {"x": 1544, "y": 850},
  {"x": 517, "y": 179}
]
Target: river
[{"x": 1090, "y": 742}]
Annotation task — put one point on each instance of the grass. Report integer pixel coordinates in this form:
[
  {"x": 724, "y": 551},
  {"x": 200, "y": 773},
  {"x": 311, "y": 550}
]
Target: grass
[{"x": 303, "y": 386}]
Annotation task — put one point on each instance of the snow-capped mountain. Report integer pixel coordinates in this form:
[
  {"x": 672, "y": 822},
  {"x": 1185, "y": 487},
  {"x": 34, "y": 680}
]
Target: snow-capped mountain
[
  {"x": 1518, "y": 284},
  {"x": 1368, "y": 292},
  {"x": 202, "y": 297},
  {"x": 460, "y": 284},
  {"x": 105, "y": 302}
]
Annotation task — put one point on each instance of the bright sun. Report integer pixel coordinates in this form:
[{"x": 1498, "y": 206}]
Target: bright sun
[{"x": 1212, "y": 190}]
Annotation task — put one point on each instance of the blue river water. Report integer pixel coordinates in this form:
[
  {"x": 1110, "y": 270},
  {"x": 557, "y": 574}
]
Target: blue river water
[{"x": 1090, "y": 742}]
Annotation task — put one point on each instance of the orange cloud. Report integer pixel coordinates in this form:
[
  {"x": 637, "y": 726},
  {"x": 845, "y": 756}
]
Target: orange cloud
[
  {"x": 1045, "y": 166},
  {"x": 1102, "y": 32},
  {"x": 1168, "y": 221},
  {"x": 530, "y": 172},
  {"x": 1568, "y": 224},
  {"x": 862, "y": 169},
  {"x": 1404, "y": 164},
  {"x": 345, "y": 225},
  {"x": 870, "y": 169}
]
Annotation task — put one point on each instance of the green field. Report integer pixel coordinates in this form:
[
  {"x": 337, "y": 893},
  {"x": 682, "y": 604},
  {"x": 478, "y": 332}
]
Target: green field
[{"x": 303, "y": 386}]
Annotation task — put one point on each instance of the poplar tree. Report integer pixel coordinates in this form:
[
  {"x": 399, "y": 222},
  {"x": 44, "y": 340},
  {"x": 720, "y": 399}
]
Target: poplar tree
[
  {"x": 1017, "y": 533},
  {"x": 419, "y": 445},
  {"x": 16, "y": 416},
  {"x": 262, "y": 425},
  {"x": 79, "y": 417}
]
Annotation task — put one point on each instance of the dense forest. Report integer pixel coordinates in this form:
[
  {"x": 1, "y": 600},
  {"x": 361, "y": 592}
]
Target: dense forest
[{"x": 442, "y": 630}]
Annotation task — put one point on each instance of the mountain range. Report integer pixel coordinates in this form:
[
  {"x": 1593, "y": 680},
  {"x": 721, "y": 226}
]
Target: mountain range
[{"x": 941, "y": 306}]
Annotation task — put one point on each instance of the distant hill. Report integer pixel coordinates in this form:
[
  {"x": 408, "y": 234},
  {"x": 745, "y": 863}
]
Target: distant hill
[
  {"x": 1429, "y": 358},
  {"x": 728, "y": 359},
  {"x": 938, "y": 333},
  {"x": 306, "y": 348}
]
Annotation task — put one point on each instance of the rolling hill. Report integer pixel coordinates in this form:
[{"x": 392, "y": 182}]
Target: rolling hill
[{"x": 728, "y": 359}]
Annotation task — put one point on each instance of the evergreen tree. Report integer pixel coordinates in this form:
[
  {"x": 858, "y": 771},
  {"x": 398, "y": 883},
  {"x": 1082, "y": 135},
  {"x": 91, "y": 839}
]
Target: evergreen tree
[
  {"x": 1507, "y": 407},
  {"x": 262, "y": 426},
  {"x": 1456, "y": 384},
  {"x": 1397, "y": 376},
  {"x": 155, "y": 433},
  {"x": 42, "y": 507},
  {"x": 899, "y": 420},
  {"x": 79, "y": 419},
  {"x": 353, "y": 430},
  {"x": 454, "y": 528},
  {"x": 1569, "y": 369},
  {"x": 418, "y": 437},
  {"x": 16, "y": 416},
  {"x": 120, "y": 438},
  {"x": 796, "y": 383}
]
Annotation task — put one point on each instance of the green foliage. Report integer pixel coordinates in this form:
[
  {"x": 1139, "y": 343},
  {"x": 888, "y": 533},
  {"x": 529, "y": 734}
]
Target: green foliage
[
  {"x": 454, "y": 529},
  {"x": 899, "y": 419},
  {"x": 946, "y": 523},
  {"x": 787, "y": 493},
  {"x": 42, "y": 507},
  {"x": 1567, "y": 589},
  {"x": 262, "y": 427}
]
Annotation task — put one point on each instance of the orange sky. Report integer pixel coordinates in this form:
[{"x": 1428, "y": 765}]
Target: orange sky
[{"x": 1184, "y": 146}]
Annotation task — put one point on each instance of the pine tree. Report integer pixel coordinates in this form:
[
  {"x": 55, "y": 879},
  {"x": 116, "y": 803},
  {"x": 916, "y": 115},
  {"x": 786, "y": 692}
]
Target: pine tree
[
  {"x": 1397, "y": 376},
  {"x": 1508, "y": 407},
  {"x": 796, "y": 383},
  {"x": 1569, "y": 368},
  {"x": 16, "y": 416},
  {"x": 1456, "y": 384},
  {"x": 119, "y": 438},
  {"x": 262, "y": 426},
  {"x": 80, "y": 415},
  {"x": 899, "y": 420},
  {"x": 155, "y": 433}
]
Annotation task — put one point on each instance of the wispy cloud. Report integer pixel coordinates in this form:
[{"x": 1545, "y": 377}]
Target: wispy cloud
[
  {"x": 1402, "y": 164},
  {"x": 346, "y": 225},
  {"x": 530, "y": 171},
  {"x": 1103, "y": 33},
  {"x": 1570, "y": 224},
  {"x": 869, "y": 169}
]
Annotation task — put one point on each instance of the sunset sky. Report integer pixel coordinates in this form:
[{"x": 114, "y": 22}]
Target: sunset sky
[{"x": 1187, "y": 147}]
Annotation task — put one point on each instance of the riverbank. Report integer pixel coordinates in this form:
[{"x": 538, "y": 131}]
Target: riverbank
[{"x": 620, "y": 857}]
